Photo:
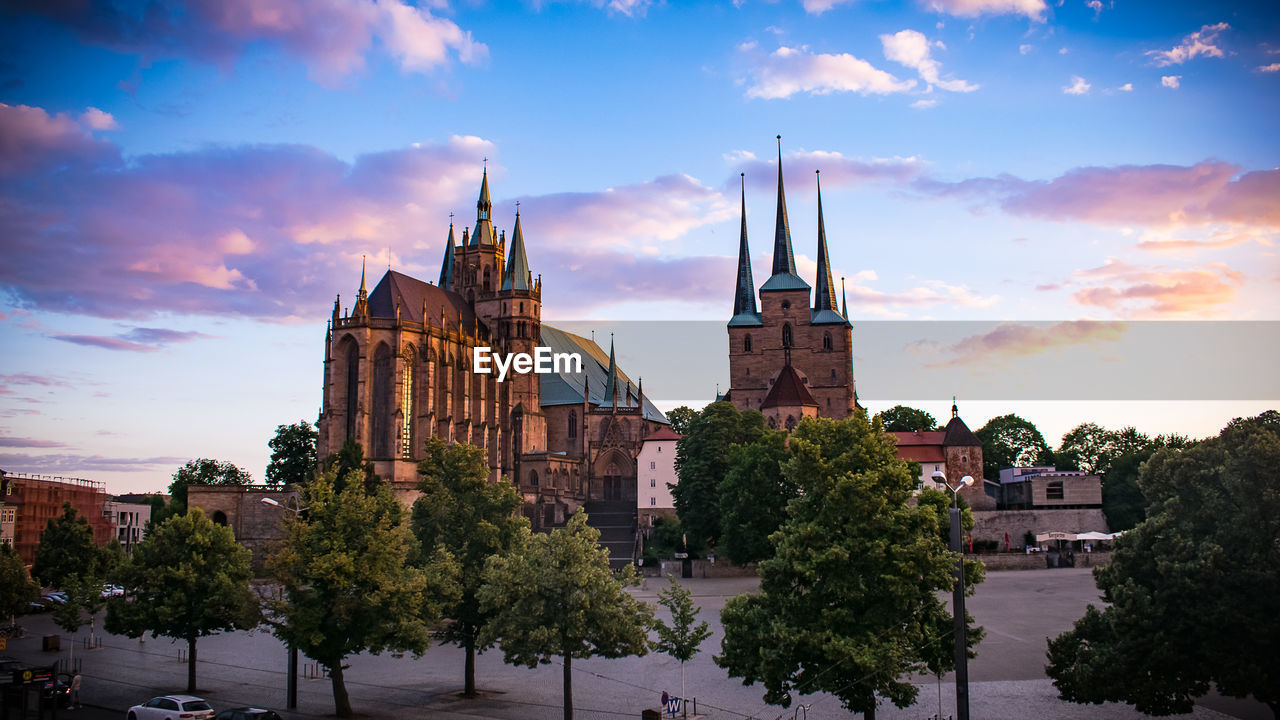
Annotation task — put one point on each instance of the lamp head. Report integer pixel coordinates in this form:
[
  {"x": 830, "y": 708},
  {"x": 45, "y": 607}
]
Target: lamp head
[
  {"x": 270, "y": 501},
  {"x": 938, "y": 476},
  {"x": 967, "y": 479}
]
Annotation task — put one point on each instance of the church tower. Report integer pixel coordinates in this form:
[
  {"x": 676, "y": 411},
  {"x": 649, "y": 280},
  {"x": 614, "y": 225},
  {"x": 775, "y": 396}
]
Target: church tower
[{"x": 788, "y": 340}]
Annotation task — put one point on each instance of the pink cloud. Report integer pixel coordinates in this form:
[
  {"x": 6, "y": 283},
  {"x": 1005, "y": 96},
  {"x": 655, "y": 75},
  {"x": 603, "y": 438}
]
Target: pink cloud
[
  {"x": 1155, "y": 195},
  {"x": 1015, "y": 340},
  {"x": 71, "y": 465},
  {"x": 30, "y": 379},
  {"x": 10, "y": 441},
  {"x": 96, "y": 119},
  {"x": 31, "y": 138},
  {"x": 107, "y": 343},
  {"x": 787, "y": 71},
  {"x": 331, "y": 36},
  {"x": 837, "y": 170},
  {"x": 1141, "y": 291},
  {"x": 1202, "y": 42}
]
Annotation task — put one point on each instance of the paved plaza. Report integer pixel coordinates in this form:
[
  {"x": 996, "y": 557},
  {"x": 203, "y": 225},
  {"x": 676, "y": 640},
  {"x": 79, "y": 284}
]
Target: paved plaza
[{"x": 1018, "y": 609}]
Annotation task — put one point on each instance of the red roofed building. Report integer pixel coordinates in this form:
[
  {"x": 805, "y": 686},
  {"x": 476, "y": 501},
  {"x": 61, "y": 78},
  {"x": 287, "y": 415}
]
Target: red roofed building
[
  {"x": 655, "y": 472},
  {"x": 954, "y": 451}
]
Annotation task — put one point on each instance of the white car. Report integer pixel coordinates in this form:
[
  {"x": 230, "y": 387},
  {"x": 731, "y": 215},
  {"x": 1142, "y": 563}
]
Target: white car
[
  {"x": 172, "y": 707},
  {"x": 110, "y": 591}
]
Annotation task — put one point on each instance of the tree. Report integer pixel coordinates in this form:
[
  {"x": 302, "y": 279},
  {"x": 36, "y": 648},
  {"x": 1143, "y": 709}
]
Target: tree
[
  {"x": 1116, "y": 455},
  {"x": 16, "y": 586},
  {"x": 473, "y": 519},
  {"x": 849, "y": 603},
  {"x": 203, "y": 471},
  {"x": 669, "y": 537},
  {"x": 66, "y": 549},
  {"x": 682, "y": 638},
  {"x": 1193, "y": 594},
  {"x": 557, "y": 598},
  {"x": 1085, "y": 447},
  {"x": 293, "y": 455},
  {"x": 349, "y": 458},
  {"x": 753, "y": 497},
  {"x": 901, "y": 418},
  {"x": 1010, "y": 441},
  {"x": 188, "y": 579},
  {"x": 680, "y": 418},
  {"x": 84, "y": 601},
  {"x": 702, "y": 461},
  {"x": 348, "y": 585}
]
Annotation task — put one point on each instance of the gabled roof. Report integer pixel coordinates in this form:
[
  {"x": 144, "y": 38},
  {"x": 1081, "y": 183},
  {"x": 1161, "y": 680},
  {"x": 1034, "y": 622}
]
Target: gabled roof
[
  {"x": 928, "y": 437},
  {"x": 412, "y": 294},
  {"x": 922, "y": 453},
  {"x": 568, "y": 388},
  {"x": 663, "y": 433},
  {"x": 788, "y": 391}
]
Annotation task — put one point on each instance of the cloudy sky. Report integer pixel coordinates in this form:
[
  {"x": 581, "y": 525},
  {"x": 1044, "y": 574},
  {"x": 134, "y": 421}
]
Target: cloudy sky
[{"x": 186, "y": 186}]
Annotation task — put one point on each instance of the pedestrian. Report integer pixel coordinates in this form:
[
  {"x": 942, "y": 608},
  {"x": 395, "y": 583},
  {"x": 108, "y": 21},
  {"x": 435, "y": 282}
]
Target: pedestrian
[{"x": 75, "y": 692}]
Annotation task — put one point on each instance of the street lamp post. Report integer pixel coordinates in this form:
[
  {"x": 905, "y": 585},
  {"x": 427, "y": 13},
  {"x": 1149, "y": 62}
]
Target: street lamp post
[
  {"x": 291, "y": 683},
  {"x": 957, "y": 601}
]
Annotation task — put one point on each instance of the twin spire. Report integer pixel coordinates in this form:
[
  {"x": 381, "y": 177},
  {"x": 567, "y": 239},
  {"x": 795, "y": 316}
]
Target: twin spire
[{"x": 784, "y": 275}]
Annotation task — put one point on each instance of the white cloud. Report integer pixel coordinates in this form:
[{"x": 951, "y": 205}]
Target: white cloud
[
  {"x": 96, "y": 119},
  {"x": 817, "y": 7},
  {"x": 1171, "y": 81},
  {"x": 924, "y": 104},
  {"x": 1202, "y": 42},
  {"x": 788, "y": 71},
  {"x": 1078, "y": 86},
  {"x": 421, "y": 41},
  {"x": 911, "y": 48},
  {"x": 1033, "y": 9},
  {"x": 1024, "y": 49},
  {"x": 1273, "y": 67},
  {"x": 1127, "y": 87}
]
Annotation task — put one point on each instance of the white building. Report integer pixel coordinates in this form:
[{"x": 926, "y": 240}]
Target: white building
[
  {"x": 130, "y": 522},
  {"x": 655, "y": 470}
]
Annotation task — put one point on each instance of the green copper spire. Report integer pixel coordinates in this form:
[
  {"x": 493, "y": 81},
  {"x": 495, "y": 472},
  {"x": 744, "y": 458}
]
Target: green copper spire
[
  {"x": 824, "y": 296},
  {"x": 517, "y": 275},
  {"x": 611, "y": 393},
  {"x": 784, "y": 275},
  {"x": 744, "y": 298},
  {"x": 446, "y": 266}
]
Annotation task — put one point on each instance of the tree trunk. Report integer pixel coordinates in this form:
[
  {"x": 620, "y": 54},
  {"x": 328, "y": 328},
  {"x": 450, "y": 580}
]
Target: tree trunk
[
  {"x": 870, "y": 714},
  {"x": 469, "y": 673},
  {"x": 191, "y": 663},
  {"x": 341, "y": 701},
  {"x": 568, "y": 687},
  {"x": 684, "y": 699}
]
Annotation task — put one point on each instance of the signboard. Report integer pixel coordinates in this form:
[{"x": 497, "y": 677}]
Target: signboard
[
  {"x": 682, "y": 556},
  {"x": 673, "y": 705}
]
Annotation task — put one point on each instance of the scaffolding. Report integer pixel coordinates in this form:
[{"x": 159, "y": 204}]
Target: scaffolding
[{"x": 37, "y": 499}]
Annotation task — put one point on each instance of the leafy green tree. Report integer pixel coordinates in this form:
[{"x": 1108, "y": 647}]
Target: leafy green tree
[
  {"x": 160, "y": 510},
  {"x": 348, "y": 584},
  {"x": 680, "y": 418},
  {"x": 473, "y": 519},
  {"x": 753, "y": 497},
  {"x": 1011, "y": 441},
  {"x": 349, "y": 458},
  {"x": 1087, "y": 447},
  {"x": 849, "y": 603},
  {"x": 702, "y": 461},
  {"x": 16, "y": 586},
  {"x": 84, "y": 602},
  {"x": 1116, "y": 455},
  {"x": 556, "y": 598},
  {"x": 203, "y": 471},
  {"x": 293, "y": 455},
  {"x": 669, "y": 537},
  {"x": 66, "y": 549},
  {"x": 189, "y": 579},
  {"x": 682, "y": 638},
  {"x": 901, "y": 418},
  {"x": 1193, "y": 594}
]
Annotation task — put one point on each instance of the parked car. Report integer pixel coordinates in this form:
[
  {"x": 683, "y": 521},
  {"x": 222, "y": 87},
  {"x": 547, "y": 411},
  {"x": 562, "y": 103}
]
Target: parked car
[
  {"x": 247, "y": 714},
  {"x": 110, "y": 591},
  {"x": 172, "y": 707},
  {"x": 58, "y": 688},
  {"x": 58, "y": 597}
]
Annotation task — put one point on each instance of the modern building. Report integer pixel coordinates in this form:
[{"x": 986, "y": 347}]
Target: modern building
[
  {"x": 1041, "y": 487},
  {"x": 130, "y": 522},
  {"x": 657, "y": 473},
  {"x": 401, "y": 365}
]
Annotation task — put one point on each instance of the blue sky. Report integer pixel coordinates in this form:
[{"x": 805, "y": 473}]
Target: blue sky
[{"x": 185, "y": 186}]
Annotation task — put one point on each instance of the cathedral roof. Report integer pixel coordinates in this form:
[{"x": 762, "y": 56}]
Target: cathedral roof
[
  {"x": 412, "y": 295},
  {"x": 827, "y": 317},
  {"x": 824, "y": 295},
  {"x": 788, "y": 391},
  {"x": 568, "y": 388},
  {"x": 744, "y": 296}
]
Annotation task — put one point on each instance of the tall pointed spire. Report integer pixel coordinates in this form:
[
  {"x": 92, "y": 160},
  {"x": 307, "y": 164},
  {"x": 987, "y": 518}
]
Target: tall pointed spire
[
  {"x": 611, "y": 392},
  {"x": 744, "y": 297},
  {"x": 484, "y": 234},
  {"x": 844, "y": 302},
  {"x": 784, "y": 261},
  {"x": 484, "y": 206},
  {"x": 446, "y": 265},
  {"x": 363, "y": 294},
  {"x": 824, "y": 294},
  {"x": 784, "y": 275},
  {"x": 516, "y": 276}
]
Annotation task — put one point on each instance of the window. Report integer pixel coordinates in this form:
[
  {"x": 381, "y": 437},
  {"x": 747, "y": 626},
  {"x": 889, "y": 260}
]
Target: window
[
  {"x": 353, "y": 386},
  {"x": 653, "y": 465},
  {"x": 786, "y": 304},
  {"x": 786, "y": 335},
  {"x": 653, "y": 501},
  {"x": 383, "y": 402},
  {"x": 826, "y": 341},
  {"x": 1053, "y": 490},
  {"x": 791, "y": 423},
  {"x": 746, "y": 344},
  {"x": 533, "y": 478},
  {"x": 833, "y": 373},
  {"x": 573, "y": 424},
  {"x": 653, "y": 482},
  {"x": 406, "y": 405}
]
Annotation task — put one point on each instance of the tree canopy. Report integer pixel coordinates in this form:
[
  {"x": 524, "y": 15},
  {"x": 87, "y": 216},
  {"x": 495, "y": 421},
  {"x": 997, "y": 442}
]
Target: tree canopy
[
  {"x": 849, "y": 603},
  {"x": 188, "y": 579},
  {"x": 349, "y": 458},
  {"x": 684, "y": 636},
  {"x": 66, "y": 549},
  {"x": 901, "y": 418},
  {"x": 680, "y": 417},
  {"x": 16, "y": 586},
  {"x": 348, "y": 584},
  {"x": 1011, "y": 441},
  {"x": 293, "y": 455},
  {"x": 703, "y": 460},
  {"x": 203, "y": 471},
  {"x": 556, "y": 598},
  {"x": 1193, "y": 594},
  {"x": 753, "y": 497},
  {"x": 473, "y": 519}
]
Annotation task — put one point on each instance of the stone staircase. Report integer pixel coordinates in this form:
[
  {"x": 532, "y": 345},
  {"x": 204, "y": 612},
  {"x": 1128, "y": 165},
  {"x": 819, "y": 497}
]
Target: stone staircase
[{"x": 616, "y": 521}]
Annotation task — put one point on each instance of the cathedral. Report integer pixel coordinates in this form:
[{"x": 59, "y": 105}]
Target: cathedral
[
  {"x": 398, "y": 368},
  {"x": 787, "y": 358}
]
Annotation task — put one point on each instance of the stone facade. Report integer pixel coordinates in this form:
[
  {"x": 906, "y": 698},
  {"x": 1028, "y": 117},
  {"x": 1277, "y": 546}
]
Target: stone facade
[
  {"x": 993, "y": 524},
  {"x": 398, "y": 368},
  {"x": 256, "y": 525}
]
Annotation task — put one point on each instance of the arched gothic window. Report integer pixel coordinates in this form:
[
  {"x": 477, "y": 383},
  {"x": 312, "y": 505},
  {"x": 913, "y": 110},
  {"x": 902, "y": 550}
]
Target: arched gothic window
[
  {"x": 746, "y": 344},
  {"x": 786, "y": 335},
  {"x": 406, "y": 404},
  {"x": 383, "y": 402},
  {"x": 791, "y": 423},
  {"x": 826, "y": 341},
  {"x": 573, "y": 424},
  {"x": 487, "y": 277},
  {"x": 533, "y": 478},
  {"x": 353, "y": 388},
  {"x": 773, "y": 423}
]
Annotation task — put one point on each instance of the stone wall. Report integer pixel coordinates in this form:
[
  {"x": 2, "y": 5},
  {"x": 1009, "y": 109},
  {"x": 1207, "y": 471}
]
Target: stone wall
[
  {"x": 256, "y": 525},
  {"x": 993, "y": 524},
  {"x": 1036, "y": 561}
]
